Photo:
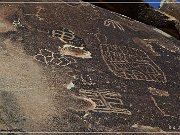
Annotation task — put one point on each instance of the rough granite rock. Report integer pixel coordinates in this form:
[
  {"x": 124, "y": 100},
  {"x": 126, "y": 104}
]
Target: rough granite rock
[{"x": 75, "y": 67}]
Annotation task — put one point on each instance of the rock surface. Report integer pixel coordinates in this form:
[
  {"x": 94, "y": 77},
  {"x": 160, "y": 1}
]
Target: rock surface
[
  {"x": 172, "y": 9},
  {"x": 74, "y": 67},
  {"x": 143, "y": 12}
]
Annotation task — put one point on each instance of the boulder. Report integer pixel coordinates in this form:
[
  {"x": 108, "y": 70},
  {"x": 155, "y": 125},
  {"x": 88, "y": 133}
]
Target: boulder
[
  {"x": 75, "y": 67},
  {"x": 143, "y": 12},
  {"x": 171, "y": 8}
]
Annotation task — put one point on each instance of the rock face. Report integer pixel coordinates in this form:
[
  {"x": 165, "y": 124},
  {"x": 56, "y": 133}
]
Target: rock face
[
  {"x": 143, "y": 12},
  {"x": 76, "y": 67},
  {"x": 171, "y": 9}
]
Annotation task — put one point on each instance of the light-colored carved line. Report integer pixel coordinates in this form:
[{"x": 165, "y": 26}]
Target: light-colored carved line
[
  {"x": 115, "y": 24},
  {"x": 149, "y": 60},
  {"x": 102, "y": 54},
  {"x": 37, "y": 14},
  {"x": 156, "y": 105},
  {"x": 17, "y": 23},
  {"x": 104, "y": 101},
  {"x": 52, "y": 58},
  {"x": 115, "y": 97},
  {"x": 106, "y": 23},
  {"x": 119, "y": 26},
  {"x": 105, "y": 104},
  {"x": 118, "y": 111},
  {"x": 38, "y": 59}
]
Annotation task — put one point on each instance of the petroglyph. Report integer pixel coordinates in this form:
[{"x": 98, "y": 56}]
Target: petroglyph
[
  {"x": 101, "y": 38},
  {"x": 64, "y": 35},
  {"x": 131, "y": 63},
  {"x": 115, "y": 24},
  {"x": 146, "y": 45},
  {"x": 17, "y": 23},
  {"x": 106, "y": 101},
  {"x": 158, "y": 92},
  {"x": 166, "y": 44},
  {"x": 74, "y": 51},
  {"x": 156, "y": 105},
  {"x": 39, "y": 9},
  {"x": 72, "y": 46},
  {"x": 86, "y": 79},
  {"x": 50, "y": 58}
]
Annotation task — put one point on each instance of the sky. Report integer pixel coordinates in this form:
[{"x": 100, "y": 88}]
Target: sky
[{"x": 156, "y": 5}]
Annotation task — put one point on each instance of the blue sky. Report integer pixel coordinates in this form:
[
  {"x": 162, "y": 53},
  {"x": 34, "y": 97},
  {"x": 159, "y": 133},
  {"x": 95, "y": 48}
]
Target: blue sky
[{"x": 156, "y": 5}]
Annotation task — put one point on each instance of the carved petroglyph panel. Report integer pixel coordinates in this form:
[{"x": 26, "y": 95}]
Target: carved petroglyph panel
[
  {"x": 131, "y": 63},
  {"x": 161, "y": 110},
  {"x": 106, "y": 101},
  {"x": 86, "y": 80},
  {"x": 114, "y": 24},
  {"x": 50, "y": 58},
  {"x": 71, "y": 45}
]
